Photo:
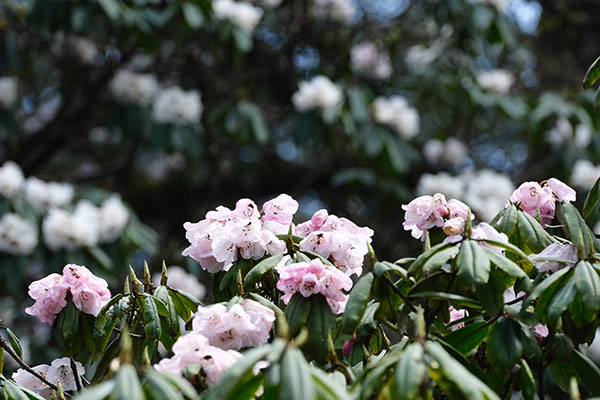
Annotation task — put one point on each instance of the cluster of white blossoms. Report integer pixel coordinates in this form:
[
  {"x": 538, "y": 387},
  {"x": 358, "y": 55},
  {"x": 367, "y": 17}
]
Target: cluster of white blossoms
[
  {"x": 133, "y": 87},
  {"x": 485, "y": 191},
  {"x": 318, "y": 93},
  {"x": 584, "y": 174},
  {"x": 497, "y": 80},
  {"x": 18, "y": 236},
  {"x": 339, "y": 10},
  {"x": 87, "y": 225},
  {"x": 563, "y": 133},
  {"x": 453, "y": 152},
  {"x": 365, "y": 59},
  {"x": 11, "y": 179},
  {"x": 8, "y": 91},
  {"x": 59, "y": 371},
  {"x": 175, "y": 105},
  {"x": 240, "y": 13},
  {"x": 395, "y": 112},
  {"x": 44, "y": 195}
]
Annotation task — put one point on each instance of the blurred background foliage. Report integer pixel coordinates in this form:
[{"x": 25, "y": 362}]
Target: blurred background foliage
[{"x": 74, "y": 119}]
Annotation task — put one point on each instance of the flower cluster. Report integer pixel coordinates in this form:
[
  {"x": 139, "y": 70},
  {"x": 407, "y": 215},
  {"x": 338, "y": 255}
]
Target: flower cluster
[
  {"x": 338, "y": 239},
  {"x": 18, "y": 236},
  {"x": 89, "y": 293},
  {"x": 134, "y": 88},
  {"x": 11, "y": 179},
  {"x": 87, "y": 225},
  {"x": 426, "y": 212},
  {"x": 395, "y": 112},
  {"x": 59, "y": 371},
  {"x": 195, "y": 349},
  {"x": 534, "y": 199},
  {"x": 567, "y": 252},
  {"x": 175, "y": 105},
  {"x": 314, "y": 277},
  {"x": 224, "y": 235},
  {"x": 44, "y": 195},
  {"x": 318, "y": 93},
  {"x": 367, "y": 60},
  {"x": 562, "y": 134},
  {"x": 452, "y": 152},
  {"x": 240, "y": 13},
  {"x": 246, "y": 324},
  {"x": 498, "y": 80}
]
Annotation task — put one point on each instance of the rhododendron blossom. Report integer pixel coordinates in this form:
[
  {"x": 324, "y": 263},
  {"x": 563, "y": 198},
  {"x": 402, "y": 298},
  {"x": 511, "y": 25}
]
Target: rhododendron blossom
[
  {"x": 247, "y": 324},
  {"x": 456, "y": 315},
  {"x": 89, "y": 293},
  {"x": 339, "y": 239},
  {"x": 540, "y": 331},
  {"x": 424, "y": 213},
  {"x": 485, "y": 231},
  {"x": 555, "y": 250},
  {"x": 225, "y": 235},
  {"x": 533, "y": 198},
  {"x": 59, "y": 371},
  {"x": 314, "y": 277}
]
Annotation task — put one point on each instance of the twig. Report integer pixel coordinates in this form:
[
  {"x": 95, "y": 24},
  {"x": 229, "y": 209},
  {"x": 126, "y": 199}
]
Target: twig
[
  {"x": 75, "y": 375},
  {"x": 508, "y": 383}
]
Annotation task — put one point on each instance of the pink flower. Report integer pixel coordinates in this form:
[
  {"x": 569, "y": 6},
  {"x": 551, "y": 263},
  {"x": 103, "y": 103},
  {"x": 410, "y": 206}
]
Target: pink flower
[
  {"x": 562, "y": 191},
  {"x": 338, "y": 239},
  {"x": 243, "y": 325},
  {"x": 532, "y": 197},
  {"x": 423, "y": 213},
  {"x": 58, "y": 371},
  {"x": 456, "y": 315},
  {"x": 50, "y": 295},
  {"x": 29, "y": 381},
  {"x": 314, "y": 278},
  {"x": 557, "y": 250},
  {"x": 278, "y": 214},
  {"x": 486, "y": 231},
  {"x": 540, "y": 331}
]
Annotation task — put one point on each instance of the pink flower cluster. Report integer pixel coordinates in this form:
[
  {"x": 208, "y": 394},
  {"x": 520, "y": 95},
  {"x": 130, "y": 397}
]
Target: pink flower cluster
[
  {"x": 533, "y": 198},
  {"x": 426, "y": 212},
  {"x": 246, "y": 324},
  {"x": 338, "y": 239},
  {"x": 195, "y": 349},
  {"x": 456, "y": 315},
  {"x": 314, "y": 278},
  {"x": 58, "y": 371},
  {"x": 224, "y": 235},
  {"x": 89, "y": 293},
  {"x": 556, "y": 250}
]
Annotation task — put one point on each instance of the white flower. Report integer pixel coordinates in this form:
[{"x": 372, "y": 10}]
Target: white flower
[
  {"x": 497, "y": 80},
  {"x": 180, "y": 279},
  {"x": 60, "y": 371},
  {"x": 561, "y": 133},
  {"x": 134, "y": 88},
  {"x": 486, "y": 192},
  {"x": 112, "y": 219},
  {"x": 583, "y": 136},
  {"x": 175, "y": 105},
  {"x": 341, "y": 10},
  {"x": 239, "y": 13},
  {"x": 395, "y": 112},
  {"x": 8, "y": 91},
  {"x": 366, "y": 59},
  {"x": 418, "y": 57},
  {"x": 17, "y": 235},
  {"x": 584, "y": 174},
  {"x": 453, "y": 151},
  {"x": 11, "y": 179},
  {"x": 70, "y": 231},
  {"x": 319, "y": 93},
  {"x": 43, "y": 195},
  {"x": 448, "y": 185},
  {"x": 31, "y": 382}
]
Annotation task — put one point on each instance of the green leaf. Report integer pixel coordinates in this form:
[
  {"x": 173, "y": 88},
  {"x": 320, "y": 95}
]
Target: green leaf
[
  {"x": 440, "y": 258},
  {"x": 358, "y": 104},
  {"x": 160, "y": 388},
  {"x": 409, "y": 374},
  {"x": 357, "y": 303},
  {"x": 260, "y": 269},
  {"x": 562, "y": 298},
  {"x": 192, "y": 14},
  {"x": 326, "y": 388},
  {"x": 508, "y": 223},
  {"x": 14, "y": 342},
  {"x": 96, "y": 392},
  {"x": 592, "y": 199},
  {"x": 543, "y": 285},
  {"x": 468, "y": 338},
  {"x": 491, "y": 295},
  {"x": 588, "y": 284},
  {"x": 13, "y": 391},
  {"x": 532, "y": 233},
  {"x": 150, "y": 316},
  {"x": 417, "y": 266},
  {"x": 528, "y": 386},
  {"x": 70, "y": 324},
  {"x": 562, "y": 372},
  {"x": 473, "y": 264},
  {"x": 111, "y": 8},
  {"x": 296, "y": 312},
  {"x": 185, "y": 303},
  {"x": 576, "y": 229},
  {"x": 505, "y": 264},
  {"x": 319, "y": 322},
  {"x": 447, "y": 296},
  {"x": 296, "y": 382},
  {"x": 127, "y": 384},
  {"x": 455, "y": 379},
  {"x": 592, "y": 74},
  {"x": 587, "y": 371},
  {"x": 505, "y": 339}
]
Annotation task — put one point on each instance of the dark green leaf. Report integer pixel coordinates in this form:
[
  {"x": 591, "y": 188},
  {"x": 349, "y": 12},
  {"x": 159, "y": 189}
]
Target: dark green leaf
[
  {"x": 528, "y": 386},
  {"x": 319, "y": 322},
  {"x": 409, "y": 374},
  {"x": 505, "y": 339},
  {"x": 508, "y": 223},
  {"x": 260, "y": 269},
  {"x": 592, "y": 199},
  {"x": 588, "y": 284},
  {"x": 504, "y": 263},
  {"x": 468, "y": 338},
  {"x": 417, "y": 266},
  {"x": 592, "y": 74},
  {"x": 127, "y": 385},
  {"x": 532, "y": 233},
  {"x": 296, "y": 382},
  {"x": 440, "y": 258},
  {"x": 296, "y": 312},
  {"x": 357, "y": 304},
  {"x": 562, "y": 298},
  {"x": 576, "y": 229},
  {"x": 588, "y": 372},
  {"x": 14, "y": 342},
  {"x": 150, "y": 316},
  {"x": 472, "y": 264},
  {"x": 447, "y": 296}
]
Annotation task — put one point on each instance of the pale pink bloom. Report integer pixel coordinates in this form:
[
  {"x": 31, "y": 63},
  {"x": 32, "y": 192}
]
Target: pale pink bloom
[
  {"x": 456, "y": 315},
  {"x": 60, "y": 371},
  {"x": 314, "y": 278},
  {"x": 557, "y": 250},
  {"x": 540, "y": 331},
  {"x": 561, "y": 190},
  {"x": 454, "y": 226},
  {"x": 29, "y": 381},
  {"x": 486, "y": 231},
  {"x": 50, "y": 295},
  {"x": 510, "y": 295},
  {"x": 458, "y": 209},
  {"x": 423, "y": 213},
  {"x": 531, "y": 197},
  {"x": 278, "y": 214}
]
